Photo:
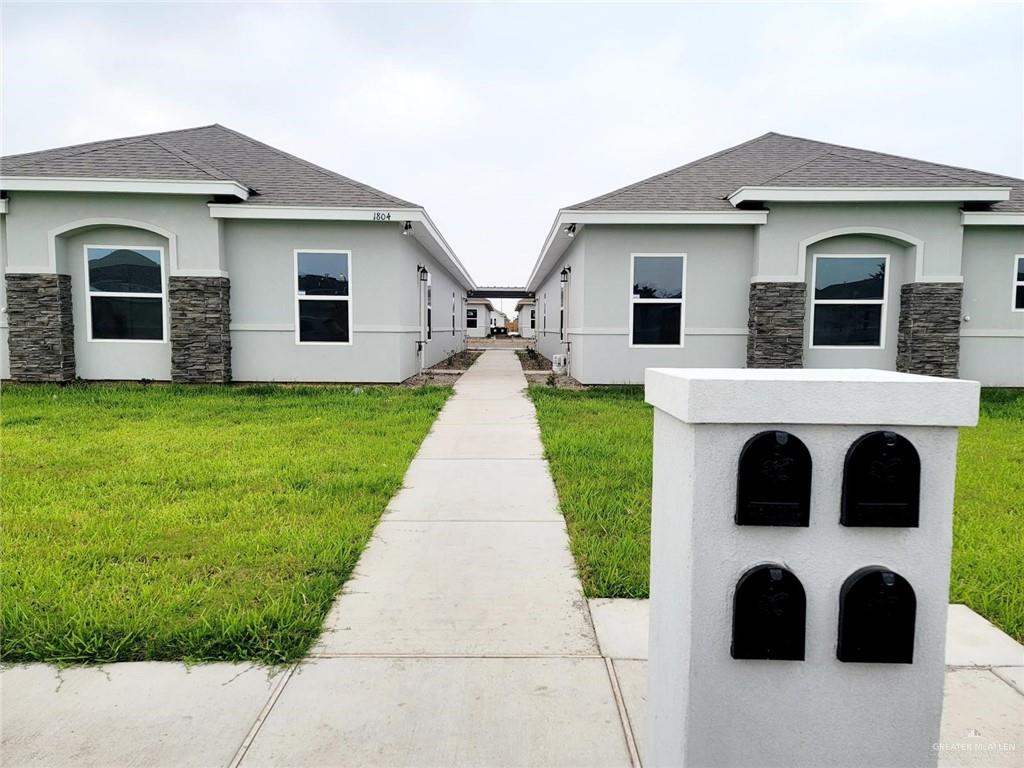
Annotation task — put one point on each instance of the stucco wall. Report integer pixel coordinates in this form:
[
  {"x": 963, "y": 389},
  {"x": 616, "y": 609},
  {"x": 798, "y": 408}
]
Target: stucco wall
[
  {"x": 992, "y": 341},
  {"x": 385, "y": 300},
  {"x": 549, "y": 342},
  {"x": 103, "y": 358},
  {"x": 901, "y": 270},
  {"x": 5, "y": 355},
  {"x": 790, "y": 224},
  {"x": 718, "y": 269}
]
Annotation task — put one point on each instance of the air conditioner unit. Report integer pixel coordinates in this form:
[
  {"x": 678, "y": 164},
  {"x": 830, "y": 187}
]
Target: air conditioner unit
[{"x": 560, "y": 364}]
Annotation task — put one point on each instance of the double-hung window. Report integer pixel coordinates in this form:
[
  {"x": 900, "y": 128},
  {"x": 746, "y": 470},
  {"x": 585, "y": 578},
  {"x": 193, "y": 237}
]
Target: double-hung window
[
  {"x": 453, "y": 313},
  {"x": 471, "y": 318},
  {"x": 561, "y": 311},
  {"x": 323, "y": 297},
  {"x": 533, "y": 319},
  {"x": 1018, "y": 283},
  {"x": 656, "y": 299},
  {"x": 848, "y": 308},
  {"x": 126, "y": 293}
]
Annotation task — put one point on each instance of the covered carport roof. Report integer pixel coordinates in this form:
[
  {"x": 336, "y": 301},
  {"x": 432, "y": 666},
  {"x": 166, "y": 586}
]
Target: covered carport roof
[{"x": 499, "y": 292}]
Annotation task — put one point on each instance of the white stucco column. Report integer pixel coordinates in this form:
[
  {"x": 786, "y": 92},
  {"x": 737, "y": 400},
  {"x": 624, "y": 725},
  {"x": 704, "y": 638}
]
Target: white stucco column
[{"x": 762, "y": 678}]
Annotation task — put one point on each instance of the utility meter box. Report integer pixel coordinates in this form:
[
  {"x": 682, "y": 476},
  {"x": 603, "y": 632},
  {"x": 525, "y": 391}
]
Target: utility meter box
[
  {"x": 560, "y": 364},
  {"x": 800, "y": 551}
]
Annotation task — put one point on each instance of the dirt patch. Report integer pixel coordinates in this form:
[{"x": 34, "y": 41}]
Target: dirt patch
[
  {"x": 460, "y": 361},
  {"x": 556, "y": 381},
  {"x": 500, "y": 342},
  {"x": 532, "y": 360},
  {"x": 430, "y": 377}
]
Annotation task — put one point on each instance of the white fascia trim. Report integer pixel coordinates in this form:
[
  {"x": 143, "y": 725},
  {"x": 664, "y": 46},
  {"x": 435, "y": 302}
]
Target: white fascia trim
[
  {"x": 992, "y": 219},
  {"x": 666, "y": 217},
  {"x": 137, "y": 186},
  {"x": 427, "y": 233},
  {"x": 868, "y": 194},
  {"x": 557, "y": 240}
]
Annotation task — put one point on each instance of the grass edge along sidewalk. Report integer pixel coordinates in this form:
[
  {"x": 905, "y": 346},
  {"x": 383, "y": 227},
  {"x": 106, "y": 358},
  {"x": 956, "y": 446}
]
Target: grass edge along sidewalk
[
  {"x": 198, "y": 523},
  {"x": 598, "y": 443}
]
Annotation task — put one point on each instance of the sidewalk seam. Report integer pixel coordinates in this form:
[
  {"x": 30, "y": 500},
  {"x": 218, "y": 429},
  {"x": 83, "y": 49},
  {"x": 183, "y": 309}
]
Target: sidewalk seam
[
  {"x": 620, "y": 705},
  {"x": 262, "y": 717}
]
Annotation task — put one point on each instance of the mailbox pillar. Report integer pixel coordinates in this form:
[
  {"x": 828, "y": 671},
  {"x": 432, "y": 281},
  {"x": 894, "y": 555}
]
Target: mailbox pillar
[{"x": 706, "y": 707}]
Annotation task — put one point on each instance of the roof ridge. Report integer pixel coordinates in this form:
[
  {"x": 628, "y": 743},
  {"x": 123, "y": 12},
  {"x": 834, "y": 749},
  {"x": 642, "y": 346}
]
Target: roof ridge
[
  {"x": 904, "y": 167},
  {"x": 89, "y": 146},
  {"x": 314, "y": 166},
  {"x": 663, "y": 174},
  {"x": 901, "y": 157},
  {"x": 196, "y": 162},
  {"x": 801, "y": 164}
]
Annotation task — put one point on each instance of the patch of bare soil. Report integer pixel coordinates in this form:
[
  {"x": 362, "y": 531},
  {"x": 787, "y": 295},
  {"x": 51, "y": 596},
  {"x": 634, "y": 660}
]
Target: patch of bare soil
[
  {"x": 532, "y": 360},
  {"x": 460, "y": 361},
  {"x": 431, "y": 376}
]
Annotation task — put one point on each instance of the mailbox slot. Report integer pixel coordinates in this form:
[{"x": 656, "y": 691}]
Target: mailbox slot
[
  {"x": 877, "y": 612},
  {"x": 774, "y": 482},
  {"x": 881, "y": 482},
  {"x": 768, "y": 616}
]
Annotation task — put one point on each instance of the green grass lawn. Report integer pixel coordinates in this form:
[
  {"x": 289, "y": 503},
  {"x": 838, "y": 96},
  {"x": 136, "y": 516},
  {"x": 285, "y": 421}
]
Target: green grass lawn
[
  {"x": 208, "y": 523},
  {"x": 599, "y": 444}
]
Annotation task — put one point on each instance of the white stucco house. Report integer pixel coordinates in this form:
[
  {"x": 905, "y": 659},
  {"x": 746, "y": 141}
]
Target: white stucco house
[
  {"x": 526, "y": 317},
  {"x": 478, "y": 317},
  {"x": 787, "y": 252},
  {"x": 499, "y": 320},
  {"x": 205, "y": 255}
]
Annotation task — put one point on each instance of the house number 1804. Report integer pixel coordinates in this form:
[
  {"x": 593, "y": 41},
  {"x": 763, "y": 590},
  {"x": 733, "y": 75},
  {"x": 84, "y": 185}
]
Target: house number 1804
[{"x": 381, "y": 216}]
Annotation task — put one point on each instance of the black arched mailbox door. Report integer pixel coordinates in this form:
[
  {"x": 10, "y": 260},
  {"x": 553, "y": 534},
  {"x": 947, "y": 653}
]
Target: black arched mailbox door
[
  {"x": 877, "y": 612},
  {"x": 774, "y": 482},
  {"x": 768, "y": 615},
  {"x": 881, "y": 482}
]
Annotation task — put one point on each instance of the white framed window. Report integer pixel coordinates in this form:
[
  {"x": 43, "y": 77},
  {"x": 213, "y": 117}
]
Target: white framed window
[
  {"x": 471, "y": 317},
  {"x": 323, "y": 296},
  {"x": 1017, "y": 304},
  {"x": 533, "y": 319},
  {"x": 127, "y": 293},
  {"x": 544, "y": 314},
  {"x": 657, "y": 283},
  {"x": 849, "y": 295},
  {"x": 453, "y": 313}
]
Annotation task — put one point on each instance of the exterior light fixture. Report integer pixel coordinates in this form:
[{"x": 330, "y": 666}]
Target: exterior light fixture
[
  {"x": 423, "y": 274},
  {"x": 570, "y": 230},
  {"x": 564, "y": 275},
  {"x": 407, "y": 229}
]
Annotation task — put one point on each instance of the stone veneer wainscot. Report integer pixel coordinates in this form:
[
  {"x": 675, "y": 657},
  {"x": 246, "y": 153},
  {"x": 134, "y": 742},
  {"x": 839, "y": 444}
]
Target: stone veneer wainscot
[
  {"x": 775, "y": 337},
  {"x": 41, "y": 328},
  {"x": 929, "y": 330},
  {"x": 200, "y": 329}
]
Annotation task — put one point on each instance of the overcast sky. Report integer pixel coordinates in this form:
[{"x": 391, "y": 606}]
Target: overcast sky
[{"x": 494, "y": 116}]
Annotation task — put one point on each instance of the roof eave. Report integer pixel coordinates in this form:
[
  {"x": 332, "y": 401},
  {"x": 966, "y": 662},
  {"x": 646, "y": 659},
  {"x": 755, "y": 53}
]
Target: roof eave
[
  {"x": 951, "y": 194},
  {"x": 558, "y": 239},
  {"x": 211, "y": 187},
  {"x": 423, "y": 230}
]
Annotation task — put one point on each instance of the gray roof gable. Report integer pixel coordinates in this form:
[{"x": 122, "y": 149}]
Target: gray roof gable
[
  {"x": 208, "y": 152},
  {"x": 778, "y": 160}
]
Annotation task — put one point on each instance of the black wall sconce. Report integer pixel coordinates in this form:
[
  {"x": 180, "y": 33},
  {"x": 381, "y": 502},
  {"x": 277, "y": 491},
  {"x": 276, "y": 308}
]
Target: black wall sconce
[
  {"x": 423, "y": 274},
  {"x": 407, "y": 228},
  {"x": 564, "y": 275}
]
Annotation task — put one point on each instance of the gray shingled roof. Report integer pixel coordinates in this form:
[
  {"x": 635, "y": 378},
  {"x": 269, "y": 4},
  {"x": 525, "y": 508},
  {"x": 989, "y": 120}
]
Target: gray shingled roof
[
  {"x": 208, "y": 152},
  {"x": 787, "y": 161}
]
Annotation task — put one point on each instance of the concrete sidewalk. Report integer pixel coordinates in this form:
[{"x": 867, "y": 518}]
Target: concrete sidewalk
[{"x": 462, "y": 639}]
